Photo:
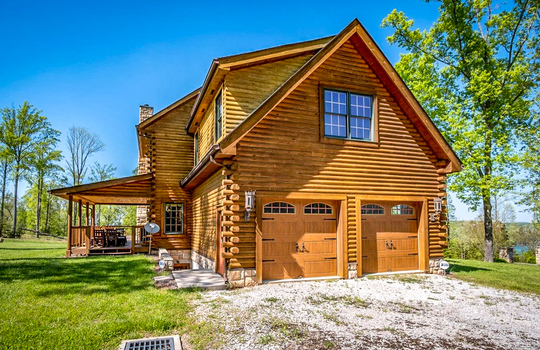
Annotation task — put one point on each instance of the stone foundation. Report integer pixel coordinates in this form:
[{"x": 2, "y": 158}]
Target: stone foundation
[
  {"x": 164, "y": 255},
  {"x": 352, "y": 271},
  {"x": 201, "y": 262},
  {"x": 181, "y": 256},
  {"x": 507, "y": 254},
  {"x": 239, "y": 278},
  {"x": 434, "y": 266}
]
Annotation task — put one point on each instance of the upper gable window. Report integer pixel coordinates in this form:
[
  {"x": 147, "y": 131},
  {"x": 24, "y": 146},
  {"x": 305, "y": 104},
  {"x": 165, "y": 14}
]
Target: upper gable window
[
  {"x": 348, "y": 115},
  {"x": 219, "y": 116}
]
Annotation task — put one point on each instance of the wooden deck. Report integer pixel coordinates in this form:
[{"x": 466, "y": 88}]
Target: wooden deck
[{"x": 82, "y": 242}]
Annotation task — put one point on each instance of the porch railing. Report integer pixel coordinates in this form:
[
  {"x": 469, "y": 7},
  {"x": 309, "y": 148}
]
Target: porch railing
[{"x": 82, "y": 238}]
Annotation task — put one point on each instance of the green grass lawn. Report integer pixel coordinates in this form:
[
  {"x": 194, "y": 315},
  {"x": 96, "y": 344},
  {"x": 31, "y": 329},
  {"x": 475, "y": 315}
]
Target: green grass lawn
[
  {"x": 520, "y": 277},
  {"x": 50, "y": 302}
]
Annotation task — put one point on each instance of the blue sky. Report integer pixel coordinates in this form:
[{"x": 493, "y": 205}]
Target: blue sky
[{"x": 93, "y": 63}]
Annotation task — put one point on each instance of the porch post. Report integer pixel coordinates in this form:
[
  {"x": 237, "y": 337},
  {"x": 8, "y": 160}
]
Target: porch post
[
  {"x": 87, "y": 222},
  {"x": 93, "y": 215},
  {"x": 79, "y": 212},
  {"x": 87, "y": 231},
  {"x": 70, "y": 223}
]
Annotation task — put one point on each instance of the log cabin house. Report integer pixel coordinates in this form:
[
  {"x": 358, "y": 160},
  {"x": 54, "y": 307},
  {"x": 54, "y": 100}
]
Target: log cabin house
[{"x": 305, "y": 160}]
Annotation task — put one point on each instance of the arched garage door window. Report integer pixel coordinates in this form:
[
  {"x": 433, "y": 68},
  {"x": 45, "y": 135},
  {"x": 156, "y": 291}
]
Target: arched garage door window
[
  {"x": 278, "y": 208},
  {"x": 372, "y": 209},
  {"x": 318, "y": 208},
  {"x": 402, "y": 209}
]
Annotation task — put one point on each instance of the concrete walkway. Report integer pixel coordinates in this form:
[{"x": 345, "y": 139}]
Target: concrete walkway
[{"x": 205, "y": 279}]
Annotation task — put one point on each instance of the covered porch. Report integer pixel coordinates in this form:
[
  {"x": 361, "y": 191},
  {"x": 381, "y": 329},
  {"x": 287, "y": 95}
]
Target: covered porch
[{"x": 84, "y": 237}]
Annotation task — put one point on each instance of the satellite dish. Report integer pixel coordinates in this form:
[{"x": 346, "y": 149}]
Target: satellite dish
[{"x": 151, "y": 228}]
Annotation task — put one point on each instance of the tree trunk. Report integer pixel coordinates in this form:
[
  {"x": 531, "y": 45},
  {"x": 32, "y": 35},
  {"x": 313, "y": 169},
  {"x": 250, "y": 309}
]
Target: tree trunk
[
  {"x": 488, "y": 227},
  {"x": 15, "y": 187},
  {"x": 3, "y": 202},
  {"x": 38, "y": 206},
  {"x": 47, "y": 211}
]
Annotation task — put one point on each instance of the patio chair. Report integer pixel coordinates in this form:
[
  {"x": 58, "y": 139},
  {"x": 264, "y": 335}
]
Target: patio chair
[
  {"x": 112, "y": 237},
  {"x": 99, "y": 238},
  {"x": 121, "y": 237}
]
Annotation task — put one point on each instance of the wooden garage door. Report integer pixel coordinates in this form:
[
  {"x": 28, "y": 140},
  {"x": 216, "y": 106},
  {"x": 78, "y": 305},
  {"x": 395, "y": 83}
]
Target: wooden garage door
[
  {"x": 389, "y": 237},
  {"x": 299, "y": 239}
]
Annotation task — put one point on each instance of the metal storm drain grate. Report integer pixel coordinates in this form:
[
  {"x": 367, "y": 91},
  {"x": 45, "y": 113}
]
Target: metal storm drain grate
[{"x": 159, "y": 343}]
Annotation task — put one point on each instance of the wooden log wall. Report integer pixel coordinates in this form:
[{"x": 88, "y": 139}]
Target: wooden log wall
[
  {"x": 171, "y": 159},
  {"x": 207, "y": 130},
  {"x": 206, "y": 198},
  {"x": 239, "y": 243},
  {"x": 284, "y": 152},
  {"x": 246, "y": 88}
]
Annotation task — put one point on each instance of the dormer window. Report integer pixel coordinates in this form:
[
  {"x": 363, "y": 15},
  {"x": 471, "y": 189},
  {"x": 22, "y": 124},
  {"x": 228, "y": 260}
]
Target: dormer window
[
  {"x": 348, "y": 115},
  {"x": 219, "y": 116}
]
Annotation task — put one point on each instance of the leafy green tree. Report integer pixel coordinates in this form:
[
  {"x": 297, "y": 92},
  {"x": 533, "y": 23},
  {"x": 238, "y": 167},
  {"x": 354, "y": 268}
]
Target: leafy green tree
[
  {"x": 531, "y": 164},
  {"x": 475, "y": 72},
  {"x": 20, "y": 131},
  {"x": 44, "y": 163}
]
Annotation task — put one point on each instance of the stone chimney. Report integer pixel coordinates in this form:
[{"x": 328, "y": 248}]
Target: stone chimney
[{"x": 145, "y": 112}]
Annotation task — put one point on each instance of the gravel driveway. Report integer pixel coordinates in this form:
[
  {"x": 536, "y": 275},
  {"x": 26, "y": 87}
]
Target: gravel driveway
[{"x": 400, "y": 312}]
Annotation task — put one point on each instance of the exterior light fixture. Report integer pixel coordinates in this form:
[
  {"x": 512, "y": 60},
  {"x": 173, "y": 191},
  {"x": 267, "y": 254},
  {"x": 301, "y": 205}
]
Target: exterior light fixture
[{"x": 249, "y": 204}]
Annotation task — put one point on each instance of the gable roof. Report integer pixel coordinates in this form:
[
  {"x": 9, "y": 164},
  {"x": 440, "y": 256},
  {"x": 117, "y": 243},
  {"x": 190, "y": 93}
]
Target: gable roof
[
  {"x": 388, "y": 75},
  {"x": 221, "y": 66}
]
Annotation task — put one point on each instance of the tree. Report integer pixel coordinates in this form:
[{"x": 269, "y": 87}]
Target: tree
[
  {"x": 5, "y": 163},
  {"x": 531, "y": 164},
  {"x": 21, "y": 129},
  {"x": 44, "y": 163},
  {"x": 475, "y": 71},
  {"x": 81, "y": 145},
  {"x": 98, "y": 173}
]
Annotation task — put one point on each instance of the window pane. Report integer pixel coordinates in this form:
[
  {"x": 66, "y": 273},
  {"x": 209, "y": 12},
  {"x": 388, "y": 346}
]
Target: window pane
[
  {"x": 360, "y": 128},
  {"x": 335, "y": 125},
  {"x": 335, "y": 102},
  {"x": 360, "y": 106},
  {"x": 174, "y": 218}
]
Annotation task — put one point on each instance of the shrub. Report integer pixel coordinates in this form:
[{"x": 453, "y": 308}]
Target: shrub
[
  {"x": 531, "y": 260},
  {"x": 499, "y": 260}
]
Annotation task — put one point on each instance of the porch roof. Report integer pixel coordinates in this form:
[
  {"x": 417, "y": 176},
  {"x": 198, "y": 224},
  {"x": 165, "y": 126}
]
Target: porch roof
[{"x": 131, "y": 190}]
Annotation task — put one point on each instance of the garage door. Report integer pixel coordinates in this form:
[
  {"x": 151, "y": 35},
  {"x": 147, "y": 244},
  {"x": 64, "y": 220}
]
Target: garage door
[
  {"x": 299, "y": 239},
  {"x": 389, "y": 237}
]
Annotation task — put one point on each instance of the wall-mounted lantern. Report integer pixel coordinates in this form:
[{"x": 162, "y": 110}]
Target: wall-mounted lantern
[
  {"x": 250, "y": 203},
  {"x": 437, "y": 206}
]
